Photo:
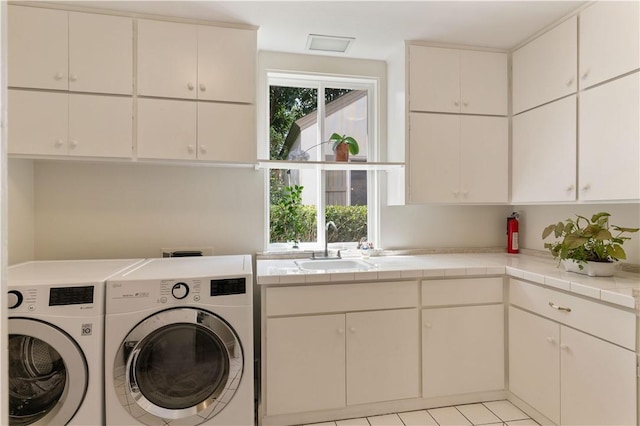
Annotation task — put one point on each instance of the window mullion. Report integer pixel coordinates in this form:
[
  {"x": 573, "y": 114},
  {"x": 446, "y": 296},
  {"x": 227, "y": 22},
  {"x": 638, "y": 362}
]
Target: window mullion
[{"x": 322, "y": 198}]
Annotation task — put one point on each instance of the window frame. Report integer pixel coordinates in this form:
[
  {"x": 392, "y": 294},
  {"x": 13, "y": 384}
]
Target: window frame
[{"x": 320, "y": 82}]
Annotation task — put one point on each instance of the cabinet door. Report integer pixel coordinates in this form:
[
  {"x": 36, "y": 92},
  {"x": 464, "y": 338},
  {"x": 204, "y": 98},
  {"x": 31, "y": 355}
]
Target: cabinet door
[
  {"x": 434, "y": 79},
  {"x": 100, "y": 53},
  {"x": 534, "y": 363},
  {"x": 226, "y": 64},
  {"x": 434, "y": 158},
  {"x": 484, "y": 159},
  {"x": 609, "y": 40},
  {"x": 100, "y": 126},
  {"x": 462, "y": 350},
  {"x": 382, "y": 356},
  {"x": 38, "y": 122},
  {"x": 484, "y": 82},
  {"x": 38, "y": 48},
  {"x": 305, "y": 359},
  {"x": 609, "y": 154},
  {"x": 166, "y": 129},
  {"x": 226, "y": 132},
  {"x": 544, "y": 153},
  {"x": 167, "y": 59},
  {"x": 545, "y": 69},
  {"x": 598, "y": 381}
]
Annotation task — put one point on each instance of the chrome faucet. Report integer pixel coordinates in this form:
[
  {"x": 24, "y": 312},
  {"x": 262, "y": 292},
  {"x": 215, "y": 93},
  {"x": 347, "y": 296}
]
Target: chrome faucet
[{"x": 326, "y": 237}]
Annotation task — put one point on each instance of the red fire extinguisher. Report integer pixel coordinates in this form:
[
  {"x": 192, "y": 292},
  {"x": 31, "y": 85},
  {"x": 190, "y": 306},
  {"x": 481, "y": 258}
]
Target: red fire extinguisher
[{"x": 512, "y": 233}]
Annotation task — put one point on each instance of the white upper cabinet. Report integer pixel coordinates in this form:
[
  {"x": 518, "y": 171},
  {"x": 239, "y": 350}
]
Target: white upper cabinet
[
  {"x": 167, "y": 129},
  {"x": 609, "y": 40},
  {"x": 38, "y": 48},
  {"x": 196, "y": 62},
  {"x": 457, "y": 81},
  {"x": 458, "y": 159},
  {"x": 544, "y": 153},
  {"x": 609, "y": 150},
  {"x": 60, "y": 50},
  {"x": 167, "y": 59},
  {"x": 63, "y": 124},
  {"x": 226, "y": 133},
  {"x": 545, "y": 69},
  {"x": 100, "y": 53},
  {"x": 226, "y": 64}
]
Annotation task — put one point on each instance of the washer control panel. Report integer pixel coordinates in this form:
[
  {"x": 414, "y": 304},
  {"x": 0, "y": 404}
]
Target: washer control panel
[{"x": 180, "y": 290}]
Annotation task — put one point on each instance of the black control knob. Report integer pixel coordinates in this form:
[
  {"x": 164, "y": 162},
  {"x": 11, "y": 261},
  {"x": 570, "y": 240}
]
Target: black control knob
[
  {"x": 180, "y": 290},
  {"x": 14, "y": 299}
]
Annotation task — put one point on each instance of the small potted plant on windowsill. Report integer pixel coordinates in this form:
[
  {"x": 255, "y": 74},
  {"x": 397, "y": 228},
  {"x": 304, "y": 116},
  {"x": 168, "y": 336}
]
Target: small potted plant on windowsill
[
  {"x": 343, "y": 145},
  {"x": 588, "y": 246}
]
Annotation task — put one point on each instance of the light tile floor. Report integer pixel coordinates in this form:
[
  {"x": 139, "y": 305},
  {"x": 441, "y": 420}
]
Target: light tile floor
[{"x": 494, "y": 413}]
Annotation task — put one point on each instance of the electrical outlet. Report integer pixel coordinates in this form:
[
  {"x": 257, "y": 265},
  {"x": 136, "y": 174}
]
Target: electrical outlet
[{"x": 166, "y": 252}]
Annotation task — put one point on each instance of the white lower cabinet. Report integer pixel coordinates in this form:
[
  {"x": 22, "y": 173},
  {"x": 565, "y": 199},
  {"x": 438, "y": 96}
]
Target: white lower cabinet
[
  {"x": 569, "y": 376},
  {"x": 462, "y": 346},
  {"x": 462, "y": 350},
  {"x": 305, "y": 363},
  {"x": 330, "y": 361},
  {"x": 316, "y": 359}
]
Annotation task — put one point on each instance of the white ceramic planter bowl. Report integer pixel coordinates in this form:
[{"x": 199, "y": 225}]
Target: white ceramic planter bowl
[{"x": 592, "y": 269}]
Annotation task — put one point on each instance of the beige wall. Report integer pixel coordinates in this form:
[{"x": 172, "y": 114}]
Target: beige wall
[
  {"x": 535, "y": 218},
  {"x": 20, "y": 211},
  {"x": 102, "y": 210}
]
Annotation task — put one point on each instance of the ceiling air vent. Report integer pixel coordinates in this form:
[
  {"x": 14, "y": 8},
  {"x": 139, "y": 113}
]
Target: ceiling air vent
[{"x": 325, "y": 43}]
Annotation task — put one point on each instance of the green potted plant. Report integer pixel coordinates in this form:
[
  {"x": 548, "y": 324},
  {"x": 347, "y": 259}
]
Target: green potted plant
[
  {"x": 588, "y": 246},
  {"x": 343, "y": 145},
  {"x": 291, "y": 204}
]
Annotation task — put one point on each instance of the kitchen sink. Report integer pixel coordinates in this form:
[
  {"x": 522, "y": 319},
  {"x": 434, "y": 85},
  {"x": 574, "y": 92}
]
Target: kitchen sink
[{"x": 334, "y": 265}]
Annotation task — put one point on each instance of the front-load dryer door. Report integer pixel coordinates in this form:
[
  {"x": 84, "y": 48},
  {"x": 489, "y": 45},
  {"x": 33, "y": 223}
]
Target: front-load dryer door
[
  {"x": 47, "y": 374},
  {"x": 178, "y": 366}
]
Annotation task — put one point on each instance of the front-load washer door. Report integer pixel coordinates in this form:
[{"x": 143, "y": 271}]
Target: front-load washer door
[
  {"x": 178, "y": 366},
  {"x": 48, "y": 374}
]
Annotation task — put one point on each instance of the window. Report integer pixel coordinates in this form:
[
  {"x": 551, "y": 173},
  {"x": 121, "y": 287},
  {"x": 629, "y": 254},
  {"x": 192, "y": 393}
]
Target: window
[{"x": 304, "y": 112}]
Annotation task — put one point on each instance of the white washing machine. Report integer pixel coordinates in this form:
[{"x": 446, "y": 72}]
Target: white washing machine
[
  {"x": 179, "y": 343},
  {"x": 56, "y": 337}
]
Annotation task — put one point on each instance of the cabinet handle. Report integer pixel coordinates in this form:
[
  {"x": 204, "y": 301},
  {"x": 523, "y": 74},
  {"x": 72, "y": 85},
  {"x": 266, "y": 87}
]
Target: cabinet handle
[
  {"x": 559, "y": 308},
  {"x": 427, "y": 325},
  {"x": 73, "y": 144},
  {"x": 570, "y": 82},
  {"x": 456, "y": 103},
  {"x": 564, "y": 347},
  {"x": 341, "y": 331},
  {"x": 586, "y": 187},
  {"x": 58, "y": 76},
  {"x": 203, "y": 87},
  {"x": 190, "y": 148},
  {"x": 465, "y": 193},
  {"x": 456, "y": 194},
  {"x": 551, "y": 340},
  {"x": 73, "y": 77},
  {"x": 585, "y": 74},
  {"x": 352, "y": 329},
  {"x": 190, "y": 86},
  {"x": 571, "y": 187},
  {"x": 203, "y": 149},
  {"x": 466, "y": 104}
]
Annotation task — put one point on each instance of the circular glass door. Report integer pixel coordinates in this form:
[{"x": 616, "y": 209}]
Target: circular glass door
[
  {"x": 182, "y": 363},
  {"x": 43, "y": 363}
]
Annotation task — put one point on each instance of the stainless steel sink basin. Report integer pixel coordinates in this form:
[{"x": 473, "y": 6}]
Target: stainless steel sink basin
[{"x": 334, "y": 265}]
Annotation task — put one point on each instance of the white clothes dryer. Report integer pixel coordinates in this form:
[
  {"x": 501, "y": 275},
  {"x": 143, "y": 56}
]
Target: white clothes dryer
[
  {"x": 56, "y": 337},
  {"x": 179, "y": 343}
]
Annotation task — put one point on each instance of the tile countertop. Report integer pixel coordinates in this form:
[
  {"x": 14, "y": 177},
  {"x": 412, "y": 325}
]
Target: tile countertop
[{"x": 623, "y": 289}]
